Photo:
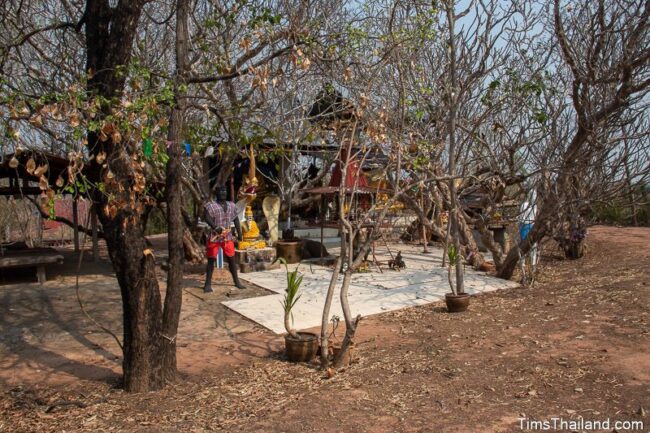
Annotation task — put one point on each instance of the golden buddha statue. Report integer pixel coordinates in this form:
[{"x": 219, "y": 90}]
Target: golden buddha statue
[{"x": 251, "y": 233}]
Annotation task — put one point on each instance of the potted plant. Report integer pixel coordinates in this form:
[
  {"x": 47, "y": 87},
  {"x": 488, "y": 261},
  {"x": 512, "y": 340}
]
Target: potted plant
[
  {"x": 456, "y": 302},
  {"x": 574, "y": 245},
  {"x": 299, "y": 346}
]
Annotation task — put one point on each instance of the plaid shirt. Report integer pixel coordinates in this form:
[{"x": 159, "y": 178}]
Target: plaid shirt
[{"x": 216, "y": 216}]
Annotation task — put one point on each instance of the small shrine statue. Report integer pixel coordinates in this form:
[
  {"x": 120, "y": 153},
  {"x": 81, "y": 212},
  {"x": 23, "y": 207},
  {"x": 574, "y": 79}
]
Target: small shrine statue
[
  {"x": 251, "y": 233},
  {"x": 248, "y": 190}
]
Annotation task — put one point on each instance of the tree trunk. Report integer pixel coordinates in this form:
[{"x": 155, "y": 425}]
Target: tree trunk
[
  {"x": 149, "y": 332},
  {"x": 466, "y": 236},
  {"x": 488, "y": 240},
  {"x": 535, "y": 235},
  {"x": 324, "y": 337},
  {"x": 630, "y": 193},
  {"x": 174, "y": 198},
  {"x": 454, "y": 215},
  {"x": 193, "y": 251},
  {"x": 350, "y": 323},
  {"x": 141, "y": 303}
]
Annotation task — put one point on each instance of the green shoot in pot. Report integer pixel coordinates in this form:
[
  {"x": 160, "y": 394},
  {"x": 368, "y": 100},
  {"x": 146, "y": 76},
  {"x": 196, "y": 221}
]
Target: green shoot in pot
[
  {"x": 291, "y": 296},
  {"x": 452, "y": 257}
]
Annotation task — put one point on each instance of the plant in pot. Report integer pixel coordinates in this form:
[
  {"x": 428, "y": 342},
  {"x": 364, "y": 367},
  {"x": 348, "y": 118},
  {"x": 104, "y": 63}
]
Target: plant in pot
[
  {"x": 456, "y": 302},
  {"x": 574, "y": 244},
  {"x": 299, "y": 346}
]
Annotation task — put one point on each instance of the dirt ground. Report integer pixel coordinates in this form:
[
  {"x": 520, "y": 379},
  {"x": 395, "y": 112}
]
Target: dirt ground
[
  {"x": 45, "y": 336},
  {"x": 576, "y": 345}
]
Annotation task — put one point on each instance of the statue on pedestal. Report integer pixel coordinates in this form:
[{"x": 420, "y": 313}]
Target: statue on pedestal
[{"x": 252, "y": 238}]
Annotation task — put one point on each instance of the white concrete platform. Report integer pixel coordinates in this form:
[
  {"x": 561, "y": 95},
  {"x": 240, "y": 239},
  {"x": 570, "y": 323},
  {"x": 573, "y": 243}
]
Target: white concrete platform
[{"x": 422, "y": 282}]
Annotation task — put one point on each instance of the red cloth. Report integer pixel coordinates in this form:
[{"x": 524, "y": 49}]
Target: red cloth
[
  {"x": 212, "y": 249},
  {"x": 354, "y": 177}
]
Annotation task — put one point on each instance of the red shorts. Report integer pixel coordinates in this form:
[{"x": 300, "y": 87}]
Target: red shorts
[{"x": 212, "y": 249}]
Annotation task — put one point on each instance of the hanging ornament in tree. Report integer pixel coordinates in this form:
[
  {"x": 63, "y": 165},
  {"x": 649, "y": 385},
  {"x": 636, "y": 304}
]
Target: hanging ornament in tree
[
  {"x": 147, "y": 147},
  {"x": 188, "y": 149},
  {"x": 209, "y": 152}
]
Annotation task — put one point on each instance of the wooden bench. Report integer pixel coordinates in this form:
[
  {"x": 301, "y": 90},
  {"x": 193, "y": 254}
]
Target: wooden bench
[{"x": 30, "y": 258}]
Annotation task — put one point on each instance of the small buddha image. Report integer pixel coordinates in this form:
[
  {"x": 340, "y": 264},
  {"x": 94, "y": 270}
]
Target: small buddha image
[
  {"x": 248, "y": 190},
  {"x": 251, "y": 233}
]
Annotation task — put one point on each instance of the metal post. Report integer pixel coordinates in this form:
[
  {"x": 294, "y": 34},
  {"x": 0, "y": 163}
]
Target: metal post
[
  {"x": 75, "y": 221},
  {"x": 93, "y": 222},
  {"x": 322, "y": 226}
]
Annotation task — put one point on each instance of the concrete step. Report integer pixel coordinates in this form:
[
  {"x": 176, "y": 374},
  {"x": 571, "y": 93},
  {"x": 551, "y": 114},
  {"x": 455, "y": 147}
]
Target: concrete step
[{"x": 314, "y": 232}]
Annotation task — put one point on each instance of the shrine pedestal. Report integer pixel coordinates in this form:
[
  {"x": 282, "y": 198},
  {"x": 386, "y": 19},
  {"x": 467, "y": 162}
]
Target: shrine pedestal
[{"x": 256, "y": 260}]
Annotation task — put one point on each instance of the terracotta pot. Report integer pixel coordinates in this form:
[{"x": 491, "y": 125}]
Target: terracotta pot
[
  {"x": 289, "y": 250},
  {"x": 457, "y": 303},
  {"x": 303, "y": 349},
  {"x": 347, "y": 359}
]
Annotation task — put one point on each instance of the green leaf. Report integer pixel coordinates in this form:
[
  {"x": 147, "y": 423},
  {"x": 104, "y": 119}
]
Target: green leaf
[{"x": 147, "y": 147}]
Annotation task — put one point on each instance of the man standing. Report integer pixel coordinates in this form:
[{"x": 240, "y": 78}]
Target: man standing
[{"x": 219, "y": 214}]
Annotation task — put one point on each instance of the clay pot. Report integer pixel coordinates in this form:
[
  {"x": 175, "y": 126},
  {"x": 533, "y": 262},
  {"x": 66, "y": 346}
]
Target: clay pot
[
  {"x": 347, "y": 359},
  {"x": 289, "y": 250},
  {"x": 303, "y": 349},
  {"x": 457, "y": 303}
]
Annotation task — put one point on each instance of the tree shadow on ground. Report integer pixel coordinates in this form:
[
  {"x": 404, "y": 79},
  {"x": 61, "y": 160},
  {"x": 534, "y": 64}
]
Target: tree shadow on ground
[{"x": 27, "y": 318}]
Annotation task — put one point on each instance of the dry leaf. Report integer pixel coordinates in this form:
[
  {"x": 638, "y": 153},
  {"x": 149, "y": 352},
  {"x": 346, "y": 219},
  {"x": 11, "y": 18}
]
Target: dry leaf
[
  {"x": 40, "y": 170},
  {"x": 30, "y": 166},
  {"x": 13, "y": 162},
  {"x": 347, "y": 74},
  {"x": 36, "y": 120},
  {"x": 245, "y": 44},
  {"x": 305, "y": 64},
  {"x": 107, "y": 128},
  {"x": 42, "y": 183},
  {"x": 59, "y": 182}
]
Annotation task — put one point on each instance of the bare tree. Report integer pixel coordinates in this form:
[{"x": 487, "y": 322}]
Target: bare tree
[{"x": 604, "y": 50}]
